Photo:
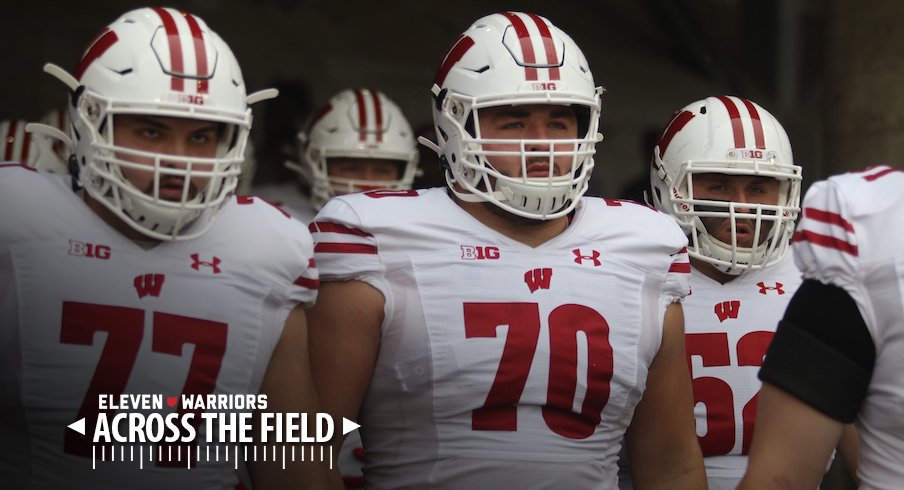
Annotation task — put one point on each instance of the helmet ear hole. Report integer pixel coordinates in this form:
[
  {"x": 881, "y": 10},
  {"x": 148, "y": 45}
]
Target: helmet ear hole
[{"x": 469, "y": 125}]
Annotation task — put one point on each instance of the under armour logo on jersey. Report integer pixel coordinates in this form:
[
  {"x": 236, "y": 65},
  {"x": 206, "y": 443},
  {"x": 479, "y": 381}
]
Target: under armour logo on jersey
[
  {"x": 90, "y": 250},
  {"x": 727, "y": 309},
  {"x": 149, "y": 285},
  {"x": 579, "y": 257},
  {"x": 764, "y": 289},
  {"x": 538, "y": 279},
  {"x": 214, "y": 264}
]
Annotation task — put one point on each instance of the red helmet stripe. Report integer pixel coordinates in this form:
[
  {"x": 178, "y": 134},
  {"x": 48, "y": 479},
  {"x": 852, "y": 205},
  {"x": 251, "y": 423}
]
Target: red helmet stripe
[
  {"x": 678, "y": 121},
  {"x": 362, "y": 115},
  {"x": 200, "y": 51},
  {"x": 527, "y": 47},
  {"x": 175, "y": 47},
  {"x": 101, "y": 43},
  {"x": 455, "y": 53},
  {"x": 737, "y": 127},
  {"x": 549, "y": 45},
  {"x": 758, "y": 138},
  {"x": 319, "y": 115},
  {"x": 378, "y": 114},
  {"x": 10, "y": 140}
]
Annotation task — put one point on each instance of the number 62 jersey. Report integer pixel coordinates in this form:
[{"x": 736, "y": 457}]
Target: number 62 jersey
[
  {"x": 502, "y": 365},
  {"x": 87, "y": 312}
]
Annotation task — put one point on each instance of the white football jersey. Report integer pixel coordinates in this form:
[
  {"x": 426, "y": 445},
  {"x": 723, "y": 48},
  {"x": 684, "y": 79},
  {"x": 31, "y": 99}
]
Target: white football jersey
[
  {"x": 728, "y": 328},
  {"x": 85, "y": 311},
  {"x": 502, "y": 365},
  {"x": 852, "y": 236}
]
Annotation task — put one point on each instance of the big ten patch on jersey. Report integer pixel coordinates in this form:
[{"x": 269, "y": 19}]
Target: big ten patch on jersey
[
  {"x": 130, "y": 321},
  {"x": 728, "y": 329},
  {"x": 538, "y": 352}
]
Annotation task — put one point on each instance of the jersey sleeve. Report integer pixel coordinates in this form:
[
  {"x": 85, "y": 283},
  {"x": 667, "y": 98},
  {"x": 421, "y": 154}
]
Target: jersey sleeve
[
  {"x": 825, "y": 242},
  {"x": 678, "y": 280},
  {"x": 343, "y": 246},
  {"x": 678, "y": 277},
  {"x": 296, "y": 270}
]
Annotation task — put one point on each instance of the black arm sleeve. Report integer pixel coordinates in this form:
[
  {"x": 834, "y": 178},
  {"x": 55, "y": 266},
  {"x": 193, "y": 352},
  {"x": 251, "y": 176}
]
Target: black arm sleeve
[{"x": 822, "y": 352}]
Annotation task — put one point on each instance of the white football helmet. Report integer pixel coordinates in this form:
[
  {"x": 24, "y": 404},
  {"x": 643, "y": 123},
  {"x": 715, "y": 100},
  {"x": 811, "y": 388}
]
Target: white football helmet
[
  {"x": 158, "y": 62},
  {"x": 514, "y": 58},
  {"x": 355, "y": 123},
  {"x": 733, "y": 136}
]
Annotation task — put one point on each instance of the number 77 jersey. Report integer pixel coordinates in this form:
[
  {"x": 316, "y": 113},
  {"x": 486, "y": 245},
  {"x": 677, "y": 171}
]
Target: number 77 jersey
[
  {"x": 502, "y": 365},
  {"x": 86, "y": 313}
]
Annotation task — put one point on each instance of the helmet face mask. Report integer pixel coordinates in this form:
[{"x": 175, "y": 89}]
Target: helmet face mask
[
  {"x": 159, "y": 63},
  {"x": 356, "y": 124},
  {"x": 708, "y": 137},
  {"x": 514, "y": 59}
]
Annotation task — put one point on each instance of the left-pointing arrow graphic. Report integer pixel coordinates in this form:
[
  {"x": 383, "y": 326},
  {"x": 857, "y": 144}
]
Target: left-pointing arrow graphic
[{"x": 78, "y": 426}]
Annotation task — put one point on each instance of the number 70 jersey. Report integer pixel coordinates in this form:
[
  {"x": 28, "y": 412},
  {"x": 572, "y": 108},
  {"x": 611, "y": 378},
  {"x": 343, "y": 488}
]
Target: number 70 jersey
[{"x": 502, "y": 365}]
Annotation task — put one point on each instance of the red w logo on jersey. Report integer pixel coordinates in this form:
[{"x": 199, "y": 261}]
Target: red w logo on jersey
[
  {"x": 538, "y": 279},
  {"x": 149, "y": 285},
  {"x": 727, "y": 309}
]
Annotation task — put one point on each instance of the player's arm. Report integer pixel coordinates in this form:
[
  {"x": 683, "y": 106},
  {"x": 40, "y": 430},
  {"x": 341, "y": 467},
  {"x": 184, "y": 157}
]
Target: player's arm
[
  {"x": 662, "y": 440},
  {"x": 792, "y": 443},
  {"x": 290, "y": 388},
  {"x": 849, "y": 450},
  {"x": 815, "y": 378},
  {"x": 345, "y": 331}
]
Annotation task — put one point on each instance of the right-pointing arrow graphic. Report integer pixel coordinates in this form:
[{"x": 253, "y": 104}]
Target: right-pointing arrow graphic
[
  {"x": 79, "y": 426},
  {"x": 347, "y": 425}
]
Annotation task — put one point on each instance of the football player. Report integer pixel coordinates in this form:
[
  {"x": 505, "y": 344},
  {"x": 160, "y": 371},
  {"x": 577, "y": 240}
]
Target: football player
[
  {"x": 838, "y": 353},
  {"x": 358, "y": 141},
  {"x": 142, "y": 273},
  {"x": 723, "y": 168},
  {"x": 506, "y": 332}
]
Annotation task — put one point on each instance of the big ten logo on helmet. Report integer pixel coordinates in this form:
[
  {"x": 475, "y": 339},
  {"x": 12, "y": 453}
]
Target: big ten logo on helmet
[
  {"x": 753, "y": 154},
  {"x": 543, "y": 86},
  {"x": 90, "y": 250},
  {"x": 478, "y": 252},
  {"x": 192, "y": 99}
]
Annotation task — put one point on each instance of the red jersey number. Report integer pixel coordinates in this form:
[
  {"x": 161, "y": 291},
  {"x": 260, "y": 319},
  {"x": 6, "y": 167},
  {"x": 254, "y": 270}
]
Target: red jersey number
[
  {"x": 499, "y": 411},
  {"x": 716, "y": 394},
  {"x": 125, "y": 329}
]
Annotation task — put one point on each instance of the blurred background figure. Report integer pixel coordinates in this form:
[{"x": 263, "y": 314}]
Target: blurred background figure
[
  {"x": 36, "y": 150},
  {"x": 358, "y": 141}
]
